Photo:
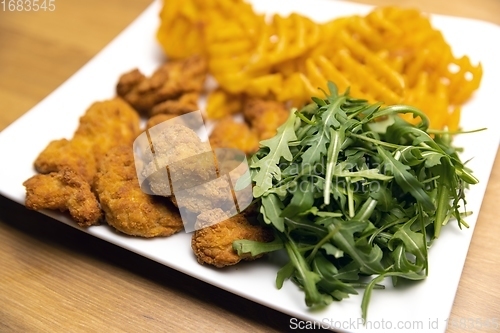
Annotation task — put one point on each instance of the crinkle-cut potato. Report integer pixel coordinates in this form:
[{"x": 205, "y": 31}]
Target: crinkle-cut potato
[
  {"x": 221, "y": 103},
  {"x": 391, "y": 55}
]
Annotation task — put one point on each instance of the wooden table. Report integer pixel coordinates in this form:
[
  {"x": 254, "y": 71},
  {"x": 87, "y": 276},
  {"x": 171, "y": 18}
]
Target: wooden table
[{"x": 54, "y": 278}]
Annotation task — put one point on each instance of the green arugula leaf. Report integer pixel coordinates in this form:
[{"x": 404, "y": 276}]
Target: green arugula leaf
[
  {"x": 407, "y": 181},
  {"x": 413, "y": 242},
  {"x": 255, "y": 248},
  {"x": 307, "y": 276},
  {"x": 344, "y": 239},
  {"x": 302, "y": 199},
  {"x": 271, "y": 210},
  {"x": 368, "y": 291},
  {"x": 332, "y": 250},
  {"x": 316, "y": 150},
  {"x": 278, "y": 149},
  {"x": 349, "y": 272}
]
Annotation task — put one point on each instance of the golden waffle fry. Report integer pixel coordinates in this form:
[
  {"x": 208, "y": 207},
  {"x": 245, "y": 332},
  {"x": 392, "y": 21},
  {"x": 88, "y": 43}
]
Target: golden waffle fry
[
  {"x": 283, "y": 39},
  {"x": 221, "y": 103},
  {"x": 180, "y": 32},
  {"x": 392, "y": 55}
]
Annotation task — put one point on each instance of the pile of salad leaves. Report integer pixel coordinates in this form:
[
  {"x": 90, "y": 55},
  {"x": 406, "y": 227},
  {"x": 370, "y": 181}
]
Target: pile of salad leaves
[{"x": 355, "y": 194}]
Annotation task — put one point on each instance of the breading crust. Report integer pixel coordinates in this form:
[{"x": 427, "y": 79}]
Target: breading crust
[
  {"x": 213, "y": 244},
  {"x": 127, "y": 208},
  {"x": 65, "y": 191}
]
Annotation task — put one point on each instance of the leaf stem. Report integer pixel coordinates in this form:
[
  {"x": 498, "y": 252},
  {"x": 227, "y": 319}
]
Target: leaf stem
[
  {"x": 333, "y": 153},
  {"x": 320, "y": 243},
  {"x": 377, "y": 142}
]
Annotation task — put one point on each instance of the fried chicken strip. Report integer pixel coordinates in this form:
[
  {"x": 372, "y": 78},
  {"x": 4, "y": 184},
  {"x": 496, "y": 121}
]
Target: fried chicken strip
[
  {"x": 75, "y": 155},
  {"x": 104, "y": 125},
  {"x": 213, "y": 243},
  {"x": 65, "y": 190},
  {"x": 127, "y": 208}
]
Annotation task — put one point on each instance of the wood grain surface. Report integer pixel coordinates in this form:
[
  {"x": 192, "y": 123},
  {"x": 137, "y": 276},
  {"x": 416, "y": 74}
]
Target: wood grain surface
[{"x": 54, "y": 278}]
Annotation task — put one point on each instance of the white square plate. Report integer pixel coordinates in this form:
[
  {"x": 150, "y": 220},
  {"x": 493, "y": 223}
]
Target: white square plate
[{"x": 419, "y": 307}]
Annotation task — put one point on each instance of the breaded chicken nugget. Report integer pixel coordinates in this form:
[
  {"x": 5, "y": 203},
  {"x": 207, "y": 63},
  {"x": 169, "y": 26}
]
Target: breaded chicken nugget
[
  {"x": 185, "y": 103},
  {"x": 213, "y": 244},
  {"x": 126, "y": 207},
  {"x": 104, "y": 125},
  {"x": 179, "y": 148},
  {"x": 188, "y": 121},
  {"x": 169, "y": 82},
  {"x": 216, "y": 193},
  {"x": 188, "y": 166},
  {"x": 158, "y": 119},
  {"x": 64, "y": 190},
  {"x": 130, "y": 85},
  {"x": 265, "y": 116},
  {"x": 228, "y": 133},
  {"x": 168, "y": 137},
  {"x": 67, "y": 154}
]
